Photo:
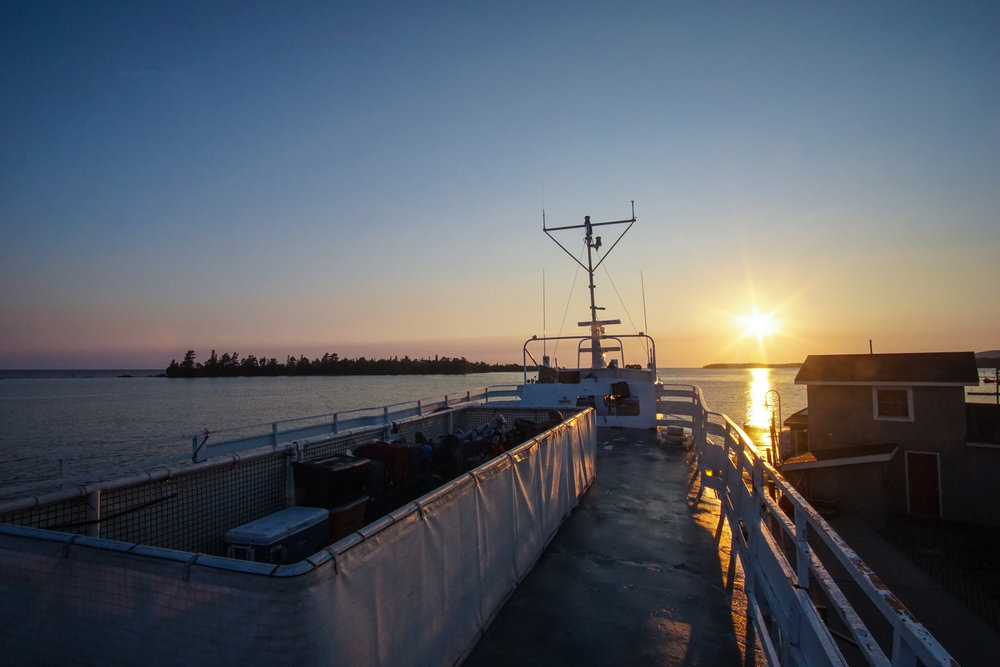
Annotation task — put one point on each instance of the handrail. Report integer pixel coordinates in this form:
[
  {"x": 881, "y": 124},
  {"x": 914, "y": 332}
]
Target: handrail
[
  {"x": 590, "y": 341},
  {"x": 783, "y": 571},
  {"x": 202, "y": 446},
  {"x": 650, "y": 354}
]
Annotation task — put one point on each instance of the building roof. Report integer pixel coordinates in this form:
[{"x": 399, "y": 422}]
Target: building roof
[
  {"x": 841, "y": 456},
  {"x": 922, "y": 368},
  {"x": 800, "y": 418}
]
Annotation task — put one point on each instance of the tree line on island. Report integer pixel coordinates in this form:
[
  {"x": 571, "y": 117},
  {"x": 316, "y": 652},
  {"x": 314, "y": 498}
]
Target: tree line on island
[{"x": 232, "y": 365}]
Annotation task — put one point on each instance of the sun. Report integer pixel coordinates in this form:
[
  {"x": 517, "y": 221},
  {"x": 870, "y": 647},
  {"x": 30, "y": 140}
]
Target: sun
[{"x": 759, "y": 325}]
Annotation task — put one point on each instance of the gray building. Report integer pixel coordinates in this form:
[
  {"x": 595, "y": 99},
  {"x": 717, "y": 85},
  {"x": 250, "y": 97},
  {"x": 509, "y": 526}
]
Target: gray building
[{"x": 892, "y": 433}]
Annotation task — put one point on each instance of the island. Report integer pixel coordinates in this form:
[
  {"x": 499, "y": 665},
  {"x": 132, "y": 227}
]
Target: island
[
  {"x": 232, "y": 365},
  {"x": 742, "y": 366}
]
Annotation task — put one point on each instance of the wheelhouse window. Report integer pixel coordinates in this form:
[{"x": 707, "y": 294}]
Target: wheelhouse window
[{"x": 893, "y": 404}]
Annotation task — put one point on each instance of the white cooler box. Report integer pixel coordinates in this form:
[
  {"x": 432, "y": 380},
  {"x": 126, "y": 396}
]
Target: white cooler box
[{"x": 288, "y": 536}]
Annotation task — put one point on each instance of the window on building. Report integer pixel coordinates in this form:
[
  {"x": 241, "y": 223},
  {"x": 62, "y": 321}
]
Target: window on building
[{"x": 893, "y": 404}]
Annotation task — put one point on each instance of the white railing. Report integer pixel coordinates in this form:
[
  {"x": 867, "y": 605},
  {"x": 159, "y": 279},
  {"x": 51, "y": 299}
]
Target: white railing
[
  {"x": 787, "y": 552},
  {"x": 206, "y": 443},
  {"x": 291, "y": 430}
]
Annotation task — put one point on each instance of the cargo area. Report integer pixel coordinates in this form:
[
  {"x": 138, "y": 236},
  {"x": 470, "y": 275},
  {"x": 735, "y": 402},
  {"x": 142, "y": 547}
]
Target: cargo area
[
  {"x": 340, "y": 494},
  {"x": 219, "y": 563},
  {"x": 358, "y": 477}
]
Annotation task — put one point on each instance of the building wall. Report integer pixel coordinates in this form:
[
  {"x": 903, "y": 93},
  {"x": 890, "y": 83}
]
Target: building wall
[
  {"x": 843, "y": 416},
  {"x": 975, "y": 485},
  {"x": 896, "y": 488},
  {"x": 859, "y": 490}
]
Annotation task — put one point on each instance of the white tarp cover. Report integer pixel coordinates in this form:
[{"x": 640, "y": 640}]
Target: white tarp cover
[{"x": 418, "y": 588}]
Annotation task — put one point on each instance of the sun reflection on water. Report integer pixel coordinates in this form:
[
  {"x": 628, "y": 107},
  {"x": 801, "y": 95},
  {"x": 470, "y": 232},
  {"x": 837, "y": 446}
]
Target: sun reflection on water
[{"x": 758, "y": 411}]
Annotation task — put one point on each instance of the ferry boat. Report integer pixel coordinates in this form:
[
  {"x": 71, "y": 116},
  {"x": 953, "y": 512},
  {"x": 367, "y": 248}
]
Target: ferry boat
[{"x": 626, "y": 523}]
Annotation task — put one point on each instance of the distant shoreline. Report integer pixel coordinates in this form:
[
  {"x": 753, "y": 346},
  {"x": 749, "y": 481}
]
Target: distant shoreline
[
  {"x": 78, "y": 373},
  {"x": 232, "y": 365},
  {"x": 744, "y": 366}
]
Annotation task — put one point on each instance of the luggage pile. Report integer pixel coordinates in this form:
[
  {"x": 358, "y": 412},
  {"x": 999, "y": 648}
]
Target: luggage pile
[
  {"x": 527, "y": 429},
  {"x": 457, "y": 453},
  {"x": 379, "y": 477},
  {"x": 352, "y": 489}
]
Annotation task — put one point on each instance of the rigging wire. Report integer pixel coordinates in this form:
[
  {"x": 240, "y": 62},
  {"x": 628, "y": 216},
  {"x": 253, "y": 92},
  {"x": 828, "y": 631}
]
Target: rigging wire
[
  {"x": 621, "y": 301},
  {"x": 569, "y": 300}
]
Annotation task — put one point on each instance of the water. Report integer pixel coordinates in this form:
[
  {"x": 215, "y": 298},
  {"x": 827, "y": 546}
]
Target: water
[
  {"x": 750, "y": 397},
  {"x": 103, "y": 418}
]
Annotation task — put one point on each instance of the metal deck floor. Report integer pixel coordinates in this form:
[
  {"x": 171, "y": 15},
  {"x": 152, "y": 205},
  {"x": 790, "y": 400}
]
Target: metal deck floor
[{"x": 636, "y": 575}]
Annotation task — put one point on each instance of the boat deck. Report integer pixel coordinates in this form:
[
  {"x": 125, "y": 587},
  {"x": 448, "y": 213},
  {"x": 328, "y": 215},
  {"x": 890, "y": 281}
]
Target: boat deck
[{"x": 638, "y": 574}]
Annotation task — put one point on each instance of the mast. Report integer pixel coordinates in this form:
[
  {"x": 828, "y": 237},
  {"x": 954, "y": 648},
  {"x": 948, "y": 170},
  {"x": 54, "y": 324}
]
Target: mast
[
  {"x": 593, "y": 243},
  {"x": 597, "y": 354}
]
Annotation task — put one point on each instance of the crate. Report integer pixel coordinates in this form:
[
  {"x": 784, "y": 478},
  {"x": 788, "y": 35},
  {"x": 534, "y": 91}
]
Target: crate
[
  {"x": 332, "y": 481},
  {"x": 348, "y": 518}
]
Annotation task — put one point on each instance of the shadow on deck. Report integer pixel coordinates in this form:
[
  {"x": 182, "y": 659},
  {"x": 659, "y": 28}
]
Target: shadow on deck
[{"x": 639, "y": 573}]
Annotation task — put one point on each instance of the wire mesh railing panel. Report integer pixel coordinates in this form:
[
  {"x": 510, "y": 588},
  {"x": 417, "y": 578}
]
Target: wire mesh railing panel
[
  {"x": 339, "y": 444},
  {"x": 69, "y": 516},
  {"x": 480, "y": 414},
  {"x": 429, "y": 427},
  {"x": 193, "y": 512}
]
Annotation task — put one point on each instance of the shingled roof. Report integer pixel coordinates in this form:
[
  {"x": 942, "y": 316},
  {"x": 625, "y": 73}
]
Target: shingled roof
[{"x": 921, "y": 368}]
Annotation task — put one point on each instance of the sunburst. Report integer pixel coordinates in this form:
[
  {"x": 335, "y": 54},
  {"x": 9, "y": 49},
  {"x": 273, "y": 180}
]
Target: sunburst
[{"x": 759, "y": 325}]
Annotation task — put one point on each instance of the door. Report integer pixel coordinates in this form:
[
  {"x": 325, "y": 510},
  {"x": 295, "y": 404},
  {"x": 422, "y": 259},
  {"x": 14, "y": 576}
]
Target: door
[{"x": 923, "y": 494}]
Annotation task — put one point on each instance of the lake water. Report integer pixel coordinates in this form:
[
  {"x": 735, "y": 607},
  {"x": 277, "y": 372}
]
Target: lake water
[{"x": 98, "y": 418}]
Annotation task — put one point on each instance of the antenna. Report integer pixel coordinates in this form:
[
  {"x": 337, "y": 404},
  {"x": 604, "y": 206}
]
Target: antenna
[
  {"x": 592, "y": 244},
  {"x": 645, "y": 321},
  {"x": 544, "y": 353}
]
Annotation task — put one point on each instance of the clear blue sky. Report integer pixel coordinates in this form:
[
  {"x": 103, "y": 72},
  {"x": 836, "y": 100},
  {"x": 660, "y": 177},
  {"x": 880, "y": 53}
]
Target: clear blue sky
[{"x": 277, "y": 178}]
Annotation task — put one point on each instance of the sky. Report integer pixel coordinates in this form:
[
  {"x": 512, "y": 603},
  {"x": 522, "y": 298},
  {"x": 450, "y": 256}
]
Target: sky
[{"x": 369, "y": 179}]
